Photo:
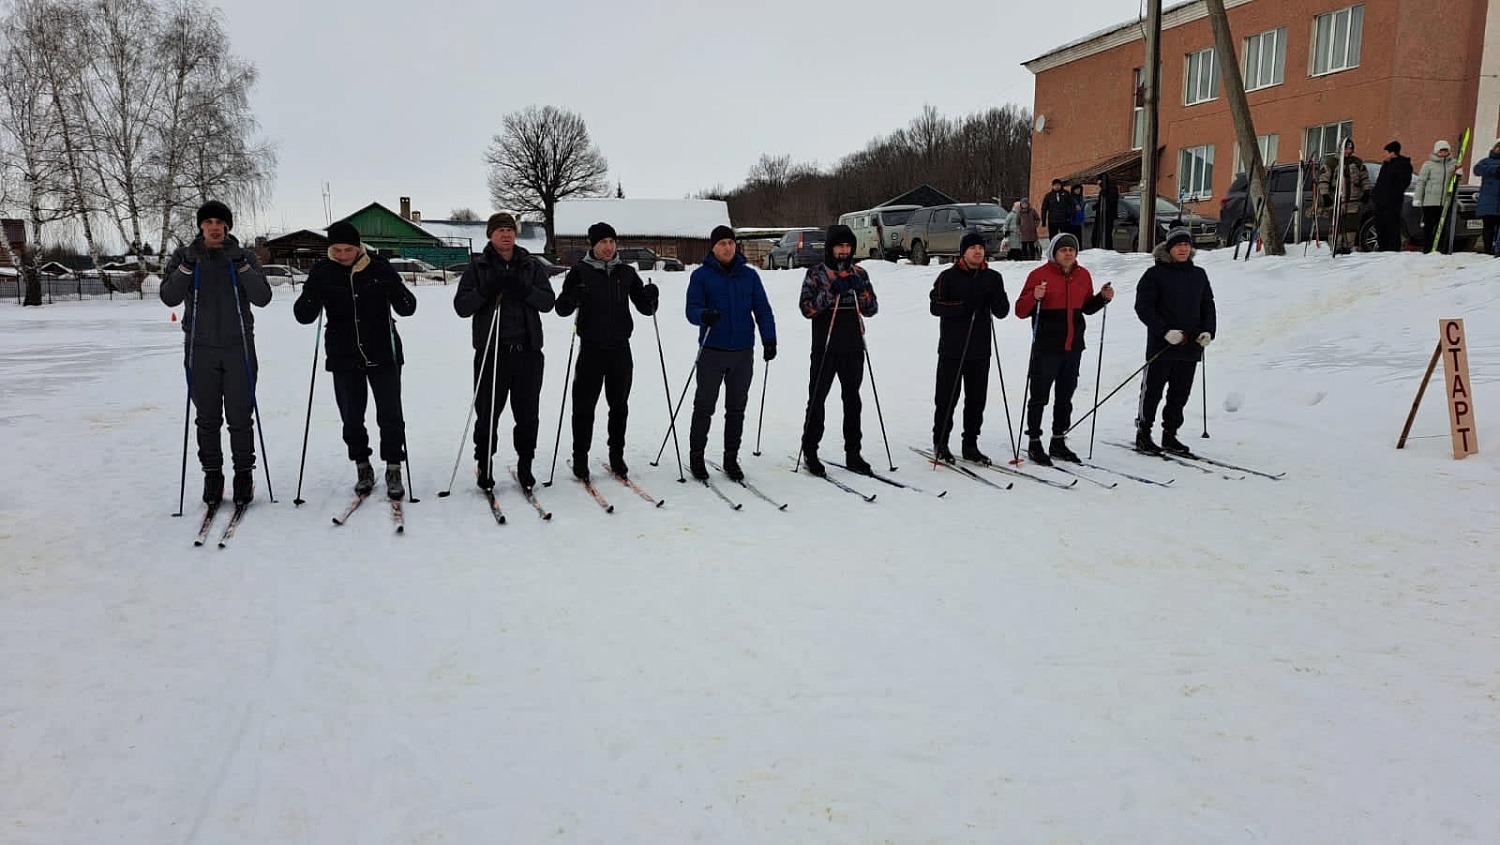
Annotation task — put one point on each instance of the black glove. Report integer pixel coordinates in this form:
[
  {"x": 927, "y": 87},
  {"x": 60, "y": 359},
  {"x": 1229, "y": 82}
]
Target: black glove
[
  {"x": 768, "y": 350},
  {"x": 709, "y": 316},
  {"x": 840, "y": 285},
  {"x": 650, "y": 297}
]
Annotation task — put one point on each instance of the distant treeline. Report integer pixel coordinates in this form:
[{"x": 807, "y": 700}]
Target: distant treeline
[{"x": 972, "y": 159}]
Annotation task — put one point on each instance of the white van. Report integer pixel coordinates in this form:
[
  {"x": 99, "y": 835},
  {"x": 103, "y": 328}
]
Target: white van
[{"x": 877, "y": 231}]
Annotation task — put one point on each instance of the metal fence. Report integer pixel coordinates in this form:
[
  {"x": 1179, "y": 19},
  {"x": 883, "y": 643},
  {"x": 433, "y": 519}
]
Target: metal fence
[{"x": 54, "y": 289}]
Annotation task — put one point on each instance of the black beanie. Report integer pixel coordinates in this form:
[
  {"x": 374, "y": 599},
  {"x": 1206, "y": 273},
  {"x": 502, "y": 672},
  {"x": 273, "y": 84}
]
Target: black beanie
[
  {"x": 343, "y": 232},
  {"x": 215, "y": 210},
  {"x": 971, "y": 238},
  {"x": 600, "y": 231},
  {"x": 1393, "y": 147},
  {"x": 720, "y": 233}
]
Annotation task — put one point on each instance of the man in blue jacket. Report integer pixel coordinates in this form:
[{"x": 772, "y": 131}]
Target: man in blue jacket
[{"x": 726, "y": 300}]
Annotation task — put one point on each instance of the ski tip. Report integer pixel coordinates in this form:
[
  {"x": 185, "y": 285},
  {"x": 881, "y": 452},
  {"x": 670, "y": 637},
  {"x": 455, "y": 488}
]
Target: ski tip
[
  {"x": 739, "y": 505},
  {"x": 660, "y": 502},
  {"x": 942, "y": 494},
  {"x": 197, "y": 543},
  {"x": 610, "y": 509},
  {"x": 401, "y": 529},
  {"x": 783, "y": 506}
]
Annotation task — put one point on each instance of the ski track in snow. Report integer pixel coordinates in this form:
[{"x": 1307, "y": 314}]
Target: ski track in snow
[{"x": 1305, "y": 660}]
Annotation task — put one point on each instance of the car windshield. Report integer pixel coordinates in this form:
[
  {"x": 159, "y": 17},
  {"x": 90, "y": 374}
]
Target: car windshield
[
  {"x": 1163, "y": 205},
  {"x": 896, "y": 218},
  {"x": 984, "y": 213}
]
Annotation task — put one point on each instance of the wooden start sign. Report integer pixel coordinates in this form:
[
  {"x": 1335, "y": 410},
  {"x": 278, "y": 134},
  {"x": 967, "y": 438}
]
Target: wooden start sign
[{"x": 1453, "y": 349}]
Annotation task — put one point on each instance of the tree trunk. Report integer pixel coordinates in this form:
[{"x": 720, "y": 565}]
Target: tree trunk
[{"x": 1244, "y": 126}]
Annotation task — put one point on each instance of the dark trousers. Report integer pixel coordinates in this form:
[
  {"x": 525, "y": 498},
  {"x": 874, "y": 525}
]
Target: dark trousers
[
  {"x": 1491, "y": 226},
  {"x": 352, "y": 392},
  {"x": 609, "y": 369},
  {"x": 1388, "y": 228},
  {"x": 1176, "y": 377},
  {"x": 1029, "y": 251},
  {"x": 223, "y": 387},
  {"x": 733, "y": 368},
  {"x": 849, "y": 367},
  {"x": 516, "y": 376},
  {"x": 975, "y": 375},
  {"x": 1430, "y": 215},
  {"x": 1052, "y": 371}
]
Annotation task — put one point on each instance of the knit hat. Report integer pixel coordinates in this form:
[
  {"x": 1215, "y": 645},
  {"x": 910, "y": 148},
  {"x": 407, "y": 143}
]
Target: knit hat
[
  {"x": 720, "y": 233},
  {"x": 600, "y": 231},
  {"x": 1060, "y": 240},
  {"x": 838, "y": 233},
  {"x": 343, "y": 232},
  {"x": 971, "y": 238},
  {"x": 1179, "y": 235},
  {"x": 1441, "y": 145},
  {"x": 501, "y": 220},
  {"x": 215, "y": 210},
  {"x": 1393, "y": 147}
]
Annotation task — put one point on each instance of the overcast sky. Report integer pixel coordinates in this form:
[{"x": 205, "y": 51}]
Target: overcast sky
[{"x": 389, "y": 98}]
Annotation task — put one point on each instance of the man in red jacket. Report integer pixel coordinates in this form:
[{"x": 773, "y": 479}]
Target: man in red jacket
[{"x": 1056, "y": 296}]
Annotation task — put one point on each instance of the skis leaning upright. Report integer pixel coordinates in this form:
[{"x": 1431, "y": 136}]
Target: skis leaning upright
[{"x": 1450, "y": 193}]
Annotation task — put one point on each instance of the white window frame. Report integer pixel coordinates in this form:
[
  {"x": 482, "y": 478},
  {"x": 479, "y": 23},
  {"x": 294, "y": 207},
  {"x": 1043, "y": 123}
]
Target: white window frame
[
  {"x": 1318, "y": 141},
  {"x": 1200, "y": 82},
  {"x": 1195, "y": 173},
  {"x": 1269, "y": 148},
  {"x": 1336, "y": 41},
  {"x": 1138, "y": 115},
  {"x": 1265, "y": 59}
]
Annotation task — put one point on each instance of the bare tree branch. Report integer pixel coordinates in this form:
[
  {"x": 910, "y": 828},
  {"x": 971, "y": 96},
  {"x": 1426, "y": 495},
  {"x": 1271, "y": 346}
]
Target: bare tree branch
[{"x": 543, "y": 156}]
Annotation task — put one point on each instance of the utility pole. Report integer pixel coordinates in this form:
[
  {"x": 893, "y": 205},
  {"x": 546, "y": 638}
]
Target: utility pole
[
  {"x": 1151, "y": 74},
  {"x": 1244, "y": 127}
]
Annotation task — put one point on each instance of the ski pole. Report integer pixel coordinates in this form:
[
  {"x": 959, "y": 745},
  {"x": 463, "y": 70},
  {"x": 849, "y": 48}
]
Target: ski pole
[
  {"x": 411, "y": 495},
  {"x": 879, "y": 415},
  {"x": 473, "y": 400},
  {"x": 672, "y": 421},
  {"x": 1205, "y": 392},
  {"x": 187, "y": 408},
  {"x": 817, "y": 382},
  {"x": 567, "y": 374},
  {"x": 1128, "y": 380},
  {"x": 312, "y": 382},
  {"x": 1036, "y": 318},
  {"x": 234, "y": 279},
  {"x": 1004, "y": 397},
  {"x": 667, "y": 394},
  {"x": 958, "y": 379},
  {"x": 765, "y": 379},
  {"x": 1098, "y": 372}
]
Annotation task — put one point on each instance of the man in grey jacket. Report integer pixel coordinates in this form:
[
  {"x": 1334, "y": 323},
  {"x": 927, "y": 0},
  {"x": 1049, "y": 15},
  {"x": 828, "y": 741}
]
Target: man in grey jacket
[{"x": 219, "y": 281}]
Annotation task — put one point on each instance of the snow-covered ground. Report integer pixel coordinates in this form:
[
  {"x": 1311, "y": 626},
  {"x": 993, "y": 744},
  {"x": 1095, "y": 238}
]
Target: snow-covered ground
[{"x": 1312, "y": 660}]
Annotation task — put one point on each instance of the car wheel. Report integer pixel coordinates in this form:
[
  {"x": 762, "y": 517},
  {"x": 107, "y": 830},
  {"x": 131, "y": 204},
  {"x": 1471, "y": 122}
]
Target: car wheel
[
  {"x": 1369, "y": 239},
  {"x": 919, "y": 253}
]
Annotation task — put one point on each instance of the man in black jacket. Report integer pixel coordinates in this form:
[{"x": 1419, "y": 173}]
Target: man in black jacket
[
  {"x": 836, "y": 296},
  {"x": 1390, "y": 189},
  {"x": 358, "y": 291},
  {"x": 1175, "y": 302},
  {"x": 965, "y": 296},
  {"x": 601, "y": 289},
  {"x": 1057, "y": 209},
  {"x": 505, "y": 291},
  {"x": 219, "y": 281}
]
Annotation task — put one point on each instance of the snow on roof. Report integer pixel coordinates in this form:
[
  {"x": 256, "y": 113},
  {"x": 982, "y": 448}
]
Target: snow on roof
[
  {"x": 642, "y": 217},
  {"x": 533, "y": 237}
]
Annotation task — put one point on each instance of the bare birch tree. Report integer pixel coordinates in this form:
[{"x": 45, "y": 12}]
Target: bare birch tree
[{"x": 544, "y": 155}]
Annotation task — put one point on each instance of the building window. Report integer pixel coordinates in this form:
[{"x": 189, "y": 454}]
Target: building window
[
  {"x": 1268, "y": 144},
  {"x": 1195, "y": 173},
  {"x": 1336, "y": 38},
  {"x": 1138, "y": 117},
  {"x": 1326, "y": 139},
  {"x": 1265, "y": 59},
  {"x": 1202, "y": 82}
]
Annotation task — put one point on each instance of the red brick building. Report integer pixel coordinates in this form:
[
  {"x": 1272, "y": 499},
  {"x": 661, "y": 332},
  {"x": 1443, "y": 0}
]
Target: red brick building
[{"x": 1315, "y": 70}]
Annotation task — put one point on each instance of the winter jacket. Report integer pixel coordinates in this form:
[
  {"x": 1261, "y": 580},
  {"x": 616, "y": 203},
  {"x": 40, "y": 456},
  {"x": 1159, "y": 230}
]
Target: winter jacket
[
  {"x": 1070, "y": 295},
  {"x": 825, "y": 307},
  {"x": 737, "y": 294},
  {"x": 1356, "y": 182},
  {"x": 228, "y": 282},
  {"x": 1432, "y": 181},
  {"x": 1057, "y": 210},
  {"x": 483, "y": 287},
  {"x": 1028, "y": 222},
  {"x": 964, "y": 299},
  {"x": 1488, "y": 171},
  {"x": 1078, "y": 216},
  {"x": 1391, "y": 184},
  {"x": 602, "y": 292},
  {"x": 1172, "y": 295},
  {"x": 358, "y": 333}
]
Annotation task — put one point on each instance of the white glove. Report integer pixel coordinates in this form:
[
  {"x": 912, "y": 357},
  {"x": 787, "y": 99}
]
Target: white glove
[
  {"x": 1205, "y": 339},
  {"x": 1175, "y": 336}
]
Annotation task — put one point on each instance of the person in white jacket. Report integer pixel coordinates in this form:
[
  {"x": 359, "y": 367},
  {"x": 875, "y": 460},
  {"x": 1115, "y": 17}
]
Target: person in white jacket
[{"x": 1428, "y": 190}]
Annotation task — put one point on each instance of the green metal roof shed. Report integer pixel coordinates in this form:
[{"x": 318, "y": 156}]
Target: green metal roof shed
[{"x": 392, "y": 235}]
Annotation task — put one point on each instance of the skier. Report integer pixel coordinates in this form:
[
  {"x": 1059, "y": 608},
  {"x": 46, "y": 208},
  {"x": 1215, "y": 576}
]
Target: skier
[
  {"x": 726, "y": 300},
  {"x": 1428, "y": 190},
  {"x": 505, "y": 291},
  {"x": 601, "y": 288},
  {"x": 219, "y": 281},
  {"x": 831, "y": 293},
  {"x": 1488, "y": 171},
  {"x": 1390, "y": 190},
  {"x": 358, "y": 291},
  {"x": 964, "y": 297},
  {"x": 1060, "y": 292},
  {"x": 1176, "y": 303},
  {"x": 1355, "y": 190}
]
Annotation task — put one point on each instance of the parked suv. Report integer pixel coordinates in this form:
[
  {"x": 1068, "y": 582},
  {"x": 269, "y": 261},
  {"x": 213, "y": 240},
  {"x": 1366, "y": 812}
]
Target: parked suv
[
  {"x": 939, "y": 229},
  {"x": 1235, "y": 212},
  {"x": 878, "y": 231},
  {"x": 647, "y": 259},
  {"x": 1124, "y": 234},
  {"x": 797, "y": 248}
]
